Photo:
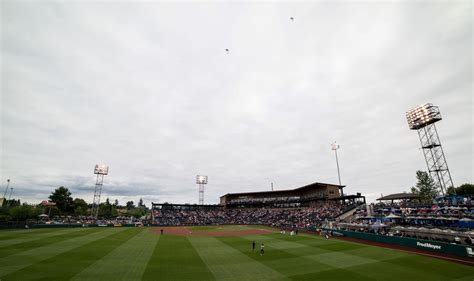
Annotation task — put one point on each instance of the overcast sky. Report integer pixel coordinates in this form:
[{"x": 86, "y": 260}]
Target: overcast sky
[{"x": 149, "y": 89}]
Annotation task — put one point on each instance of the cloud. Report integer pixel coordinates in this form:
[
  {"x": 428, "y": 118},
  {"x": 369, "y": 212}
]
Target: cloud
[{"x": 148, "y": 89}]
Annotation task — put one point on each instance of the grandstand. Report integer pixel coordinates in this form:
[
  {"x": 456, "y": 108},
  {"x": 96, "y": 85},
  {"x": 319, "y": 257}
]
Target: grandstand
[
  {"x": 301, "y": 207},
  {"x": 447, "y": 219},
  {"x": 311, "y": 195}
]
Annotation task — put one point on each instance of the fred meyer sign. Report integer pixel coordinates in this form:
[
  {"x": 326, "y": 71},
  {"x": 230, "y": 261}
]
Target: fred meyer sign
[
  {"x": 428, "y": 245},
  {"x": 436, "y": 247}
]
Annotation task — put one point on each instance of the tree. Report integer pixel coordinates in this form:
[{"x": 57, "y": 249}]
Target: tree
[
  {"x": 23, "y": 212},
  {"x": 62, "y": 197},
  {"x": 80, "y": 207},
  {"x": 12, "y": 203},
  {"x": 105, "y": 209},
  {"x": 425, "y": 186},
  {"x": 116, "y": 203},
  {"x": 140, "y": 203},
  {"x": 136, "y": 212},
  {"x": 451, "y": 190},
  {"x": 52, "y": 211},
  {"x": 466, "y": 189},
  {"x": 130, "y": 205}
]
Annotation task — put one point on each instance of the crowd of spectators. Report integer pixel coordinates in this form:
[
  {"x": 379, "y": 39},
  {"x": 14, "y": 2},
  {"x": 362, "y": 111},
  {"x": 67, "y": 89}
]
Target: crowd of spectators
[
  {"x": 425, "y": 210},
  {"x": 448, "y": 219},
  {"x": 422, "y": 214},
  {"x": 281, "y": 217}
]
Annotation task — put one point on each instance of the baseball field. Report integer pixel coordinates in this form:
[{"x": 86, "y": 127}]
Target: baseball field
[{"x": 206, "y": 253}]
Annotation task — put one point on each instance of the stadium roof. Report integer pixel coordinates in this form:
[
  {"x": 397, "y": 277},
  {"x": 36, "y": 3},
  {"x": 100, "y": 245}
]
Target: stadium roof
[
  {"x": 303, "y": 188},
  {"x": 400, "y": 196},
  {"x": 358, "y": 195}
]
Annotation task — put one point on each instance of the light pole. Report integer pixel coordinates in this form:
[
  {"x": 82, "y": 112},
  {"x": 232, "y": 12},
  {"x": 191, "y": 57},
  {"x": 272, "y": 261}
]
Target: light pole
[
  {"x": 335, "y": 147},
  {"x": 6, "y": 188}
]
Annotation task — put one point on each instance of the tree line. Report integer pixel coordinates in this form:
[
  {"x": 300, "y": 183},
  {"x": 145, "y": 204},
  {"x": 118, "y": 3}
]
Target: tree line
[
  {"x": 65, "y": 205},
  {"x": 427, "y": 189}
]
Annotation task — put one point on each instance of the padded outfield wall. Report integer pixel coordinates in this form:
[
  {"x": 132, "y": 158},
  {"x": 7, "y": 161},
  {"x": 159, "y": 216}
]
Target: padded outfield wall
[{"x": 428, "y": 245}]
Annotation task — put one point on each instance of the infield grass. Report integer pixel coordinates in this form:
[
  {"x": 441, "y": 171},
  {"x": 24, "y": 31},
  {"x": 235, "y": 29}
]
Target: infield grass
[{"x": 139, "y": 254}]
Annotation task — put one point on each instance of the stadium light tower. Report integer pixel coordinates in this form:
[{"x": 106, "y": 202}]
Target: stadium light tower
[
  {"x": 100, "y": 171},
  {"x": 201, "y": 180},
  {"x": 335, "y": 147},
  {"x": 423, "y": 118}
]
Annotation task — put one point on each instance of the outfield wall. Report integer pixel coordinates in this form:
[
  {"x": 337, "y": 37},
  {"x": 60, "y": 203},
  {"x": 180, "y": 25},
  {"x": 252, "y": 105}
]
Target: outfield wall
[
  {"x": 428, "y": 245},
  {"x": 62, "y": 225}
]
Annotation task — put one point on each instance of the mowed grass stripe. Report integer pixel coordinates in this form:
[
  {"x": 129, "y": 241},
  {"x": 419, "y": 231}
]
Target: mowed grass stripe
[
  {"x": 126, "y": 262},
  {"x": 300, "y": 245},
  {"x": 65, "y": 265},
  {"x": 282, "y": 261},
  {"x": 228, "y": 263},
  {"x": 431, "y": 268},
  {"x": 365, "y": 262},
  {"x": 293, "y": 245},
  {"x": 387, "y": 271},
  {"x": 16, "y": 233},
  {"x": 328, "y": 251},
  {"x": 337, "y": 274},
  {"x": 174, "y": 258},
  {"x": 26, "y": 258},
  {"x": 25, "y": 239}
]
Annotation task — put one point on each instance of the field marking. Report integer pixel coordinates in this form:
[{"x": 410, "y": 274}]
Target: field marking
[
  {"x": 26, "y": 258},
  {"x": 227, "y": 263},
  {"x": 127, "y": 262},
  {"x": 29, "y": 238}
]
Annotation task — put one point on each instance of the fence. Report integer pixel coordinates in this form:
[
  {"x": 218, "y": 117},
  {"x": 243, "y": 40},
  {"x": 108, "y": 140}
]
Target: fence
[{"x": 428, "y": 245}]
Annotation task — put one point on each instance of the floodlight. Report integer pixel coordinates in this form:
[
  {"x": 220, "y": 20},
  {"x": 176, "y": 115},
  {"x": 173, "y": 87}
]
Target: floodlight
[
  {"x": 422, "y": 119},
  {"x": 422, "y": 116},
  {"x": 101, "y": 170},
  {"x": 201, "y": 179}
]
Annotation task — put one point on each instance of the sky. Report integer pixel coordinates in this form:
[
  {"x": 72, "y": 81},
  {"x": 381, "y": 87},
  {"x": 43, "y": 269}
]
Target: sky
[{"x": 149, "y": 89}]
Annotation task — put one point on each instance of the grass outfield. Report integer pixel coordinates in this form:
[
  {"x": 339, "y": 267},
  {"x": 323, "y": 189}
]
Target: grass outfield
[{"x": 139, "y": 254}]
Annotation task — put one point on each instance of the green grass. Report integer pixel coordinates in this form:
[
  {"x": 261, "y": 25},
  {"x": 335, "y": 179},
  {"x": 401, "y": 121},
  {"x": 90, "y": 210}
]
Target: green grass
[
  {"x": 138, "y": 254},
  {"x": 220, "y": 227}
]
